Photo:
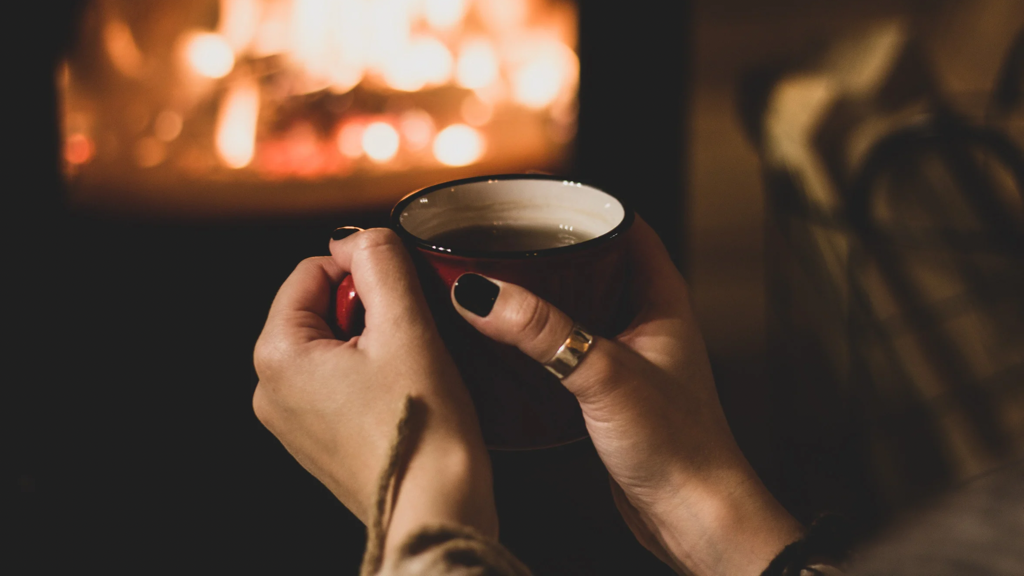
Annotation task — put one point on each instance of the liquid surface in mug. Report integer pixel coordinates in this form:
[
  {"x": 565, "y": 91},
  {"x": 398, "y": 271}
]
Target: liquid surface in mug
[{"x": 507, "y": 238}]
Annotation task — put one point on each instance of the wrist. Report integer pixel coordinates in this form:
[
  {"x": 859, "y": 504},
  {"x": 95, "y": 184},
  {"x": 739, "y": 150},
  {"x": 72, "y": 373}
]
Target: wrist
[
  {"x": 728, "y": 524},
  {"x": 447, "y": 482}
]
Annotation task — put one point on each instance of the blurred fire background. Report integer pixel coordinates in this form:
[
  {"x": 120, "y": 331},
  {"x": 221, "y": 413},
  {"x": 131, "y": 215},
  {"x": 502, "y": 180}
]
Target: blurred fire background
[
  {"x": 300, "y": 107},
  {"x": 840, "y": 182}
]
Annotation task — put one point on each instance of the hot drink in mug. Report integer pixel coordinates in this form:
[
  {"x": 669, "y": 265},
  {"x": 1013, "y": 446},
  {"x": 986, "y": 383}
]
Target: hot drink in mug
[{"x": 562, "y": 240}]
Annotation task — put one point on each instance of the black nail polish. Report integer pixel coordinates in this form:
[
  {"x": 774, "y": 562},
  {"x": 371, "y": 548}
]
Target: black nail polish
[
  {"x": 344, "y": 232},
  {"x": 476, "y": 293}
]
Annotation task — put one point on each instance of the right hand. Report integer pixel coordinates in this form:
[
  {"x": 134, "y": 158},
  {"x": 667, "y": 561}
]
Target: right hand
[{"x": 650, "y": 406}]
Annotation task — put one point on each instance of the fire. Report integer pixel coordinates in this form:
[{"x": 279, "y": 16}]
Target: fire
[
  {"x": 325, "y": 88},
  {"x": 236, "y": 125},
  {"x": 426, "y": 61},
  {"x": 78, "y": 149},
  {"x": 458, "y": 145},
  {"x": 239, "y": 20},
  {"x": 209, "y": 54},
  {"x": 549, "y": 69},
  {"x": 444, "y": 14},
  {"x": 380, "y": 141},
  {"x": 417, "y": 129},
  {"x": 478, "y": 64},
  {"x": 490, "y": 49}
]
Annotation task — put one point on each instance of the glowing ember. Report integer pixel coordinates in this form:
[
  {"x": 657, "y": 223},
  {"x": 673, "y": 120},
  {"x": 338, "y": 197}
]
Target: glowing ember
[
  {"x": 236, "y": 125},
  {"x": 78, "y": 149},
  {"x": 209, "y": 54},
  {"x": 458, "y": 145},
  {"x": 380, "y": 141}
]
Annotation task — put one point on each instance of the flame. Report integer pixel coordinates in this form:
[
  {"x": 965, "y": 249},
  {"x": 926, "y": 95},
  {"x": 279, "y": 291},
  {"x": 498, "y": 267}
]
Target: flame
[
  {"x": 327, "y": 40},
  {"x": 444, "y": 14},
  {"x": 550, "y": 68},
  {"x": 458, "y": 145},
  {"x": 209, "y": 54},
  {"x": 503, "y": 15},
  {"x": 272, "y": 34},
  {"x": 239, "y": 21},
  {"x": 492, "y": 62},
  {"x": 236, "y": 125},
  {"x": 425, "y": 61},
  {"x": 380, "y": 141},
  {"x": 406, "y": 45},
  {"x": 433, "y": 58}
]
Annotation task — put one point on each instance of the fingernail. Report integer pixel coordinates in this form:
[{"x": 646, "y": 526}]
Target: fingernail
[
  {"x": 476, "y": 293},
  {"x": 344, "y": 232}
]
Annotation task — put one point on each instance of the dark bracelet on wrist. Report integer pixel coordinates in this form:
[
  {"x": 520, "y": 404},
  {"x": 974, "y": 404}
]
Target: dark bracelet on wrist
[{"x": 827, "y": 544}]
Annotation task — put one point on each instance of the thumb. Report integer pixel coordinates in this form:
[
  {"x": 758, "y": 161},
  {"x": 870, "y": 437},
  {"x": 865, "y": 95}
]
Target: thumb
[{"x": 515, "y": 316}]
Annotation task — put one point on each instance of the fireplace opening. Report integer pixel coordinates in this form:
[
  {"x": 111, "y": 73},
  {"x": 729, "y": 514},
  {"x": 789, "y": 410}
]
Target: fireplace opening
[{"x": 296, "y": 107}]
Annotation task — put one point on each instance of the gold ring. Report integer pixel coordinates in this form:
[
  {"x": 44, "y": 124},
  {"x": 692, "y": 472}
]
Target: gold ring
[{"x": 570, "y": 353}]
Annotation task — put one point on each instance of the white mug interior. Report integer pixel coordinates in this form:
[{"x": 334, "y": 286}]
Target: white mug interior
[{"x": 585, "y": 211}]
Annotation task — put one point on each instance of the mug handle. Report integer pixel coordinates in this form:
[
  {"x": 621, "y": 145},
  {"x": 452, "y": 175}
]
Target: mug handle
[{"x": 349, "y": 314}]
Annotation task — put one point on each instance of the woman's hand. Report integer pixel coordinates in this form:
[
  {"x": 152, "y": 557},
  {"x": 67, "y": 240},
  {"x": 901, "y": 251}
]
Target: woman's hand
[
  {"x": 335, "y": 405},
  {"x": 652, "y": 411}
]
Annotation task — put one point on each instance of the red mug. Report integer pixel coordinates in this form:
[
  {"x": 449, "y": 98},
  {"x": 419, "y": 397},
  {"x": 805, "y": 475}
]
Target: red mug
[{"x": 520, "y": 404}]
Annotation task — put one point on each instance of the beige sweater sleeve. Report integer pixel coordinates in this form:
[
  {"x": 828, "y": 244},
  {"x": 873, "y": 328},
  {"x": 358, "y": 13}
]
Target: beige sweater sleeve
[
  {"x": 441, "y": 550},
  {"x": 452, "y": 551}
]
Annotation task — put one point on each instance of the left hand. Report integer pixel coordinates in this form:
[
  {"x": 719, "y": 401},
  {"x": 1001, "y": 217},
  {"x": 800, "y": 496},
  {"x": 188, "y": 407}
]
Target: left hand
[{"x": 335, "y": 404}]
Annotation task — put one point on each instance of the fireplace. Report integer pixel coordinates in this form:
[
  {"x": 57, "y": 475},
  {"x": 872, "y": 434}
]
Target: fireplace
[
  {"x": 296, "y": 107},
  {"x": 267, "y": 109}
]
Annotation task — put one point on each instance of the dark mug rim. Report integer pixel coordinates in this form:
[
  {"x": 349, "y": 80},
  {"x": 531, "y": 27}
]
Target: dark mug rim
[{"x": 396, "y": 213}]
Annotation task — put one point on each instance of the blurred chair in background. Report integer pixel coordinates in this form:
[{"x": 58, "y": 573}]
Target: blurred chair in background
[{"x": 895, "y": 253}]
